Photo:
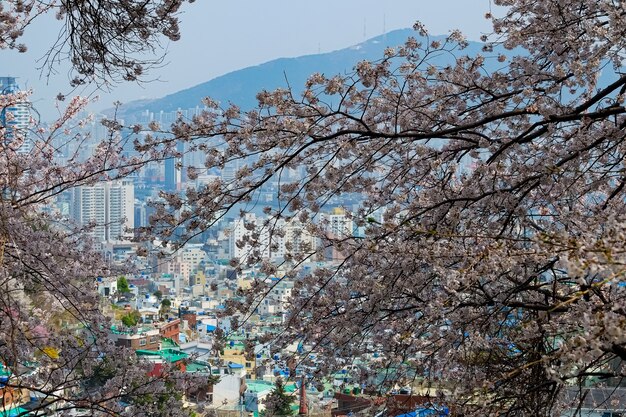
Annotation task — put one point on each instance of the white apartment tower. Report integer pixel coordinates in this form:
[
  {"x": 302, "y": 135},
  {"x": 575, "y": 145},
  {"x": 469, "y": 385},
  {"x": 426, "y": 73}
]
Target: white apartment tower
[
  {"x": 109, "y": 206},
  {"x": 294, "y": 239},
  {"x": 337, "y": 224},
  {"x": 271, "y": 246},
  {"x": 298, "y": 239}
]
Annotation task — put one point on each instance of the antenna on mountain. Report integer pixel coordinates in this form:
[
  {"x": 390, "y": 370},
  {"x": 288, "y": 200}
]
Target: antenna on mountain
[{"x": 364, "y": 28}]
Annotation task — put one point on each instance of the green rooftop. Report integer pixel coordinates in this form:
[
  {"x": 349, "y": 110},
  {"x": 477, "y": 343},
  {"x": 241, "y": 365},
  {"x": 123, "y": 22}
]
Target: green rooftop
[
  {"x": 169, "y": 355},
  {"x": 256, "y": 385},
  {"x": 12, "y": 412},
  {"x": 235, "y": 345},
  {"x": 167, "y": 343},
  {"x": 198, "y": 367},
  {"x": 138, "y": 330}
]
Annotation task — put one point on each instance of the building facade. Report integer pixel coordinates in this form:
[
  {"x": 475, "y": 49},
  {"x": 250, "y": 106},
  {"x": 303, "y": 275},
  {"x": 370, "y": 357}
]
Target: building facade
[
  {"x": 15, "y": 119},
  {"x": 108, "y": 207}
]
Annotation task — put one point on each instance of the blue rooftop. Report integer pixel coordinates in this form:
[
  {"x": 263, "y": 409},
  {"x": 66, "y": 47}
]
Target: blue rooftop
[{"x": 235, "y": 366}]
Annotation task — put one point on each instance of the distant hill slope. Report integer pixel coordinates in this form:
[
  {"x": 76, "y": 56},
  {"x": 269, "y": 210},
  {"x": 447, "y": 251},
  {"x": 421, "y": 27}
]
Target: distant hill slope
[{"x": 241, "y": 86}]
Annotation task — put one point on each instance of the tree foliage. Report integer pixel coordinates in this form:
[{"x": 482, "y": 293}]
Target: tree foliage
[
  {"x": 122, "y": 285},
  {"x": 54, "y": 340},
  {"x": 496, "y": 268},
  {"x": 165, "y": 308},
  {"x": 491, "y": 257},
  {"x": 104, "y": 40},
  {"x": 131, "y": 319},
  {"x": 278, "y": 402}
]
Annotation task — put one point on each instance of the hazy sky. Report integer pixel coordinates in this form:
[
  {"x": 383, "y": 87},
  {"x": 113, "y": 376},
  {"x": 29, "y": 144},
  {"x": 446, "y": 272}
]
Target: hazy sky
[{"x": 219, "y": 37}]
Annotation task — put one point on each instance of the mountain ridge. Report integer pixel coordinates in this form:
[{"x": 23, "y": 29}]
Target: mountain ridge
[{"x": 241, "y": 86}]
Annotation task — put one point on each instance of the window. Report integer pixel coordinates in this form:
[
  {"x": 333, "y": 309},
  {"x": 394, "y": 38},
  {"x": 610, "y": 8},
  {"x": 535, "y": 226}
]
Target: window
[
  {"x": 142, "y": 342},
  {"x": 248, "y": 364}
]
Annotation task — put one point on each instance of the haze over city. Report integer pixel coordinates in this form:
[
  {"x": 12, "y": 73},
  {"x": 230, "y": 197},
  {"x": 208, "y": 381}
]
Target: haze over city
[{"x": 219, "y": 37}]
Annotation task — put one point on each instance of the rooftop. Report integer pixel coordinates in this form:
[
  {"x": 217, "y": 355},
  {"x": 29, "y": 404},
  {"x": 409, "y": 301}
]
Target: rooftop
[
  {"x": 12, "y": 412},
  {"x": 134, "y": 331},
  {"x": 198, "y": 367},
  {"x": 256, "y": 385},
  {"x": 167, "y": 343},
  {"x": 169, "y": 355}
]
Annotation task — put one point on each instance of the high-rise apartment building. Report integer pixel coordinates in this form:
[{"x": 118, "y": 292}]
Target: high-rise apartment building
[
  {"x": 107, "y": 205},
  {"x": 267, "y": 244},
  {"x": 337, "y": 223},
  {"x": 298, "y": 240},
  {"x": 15, "y": 118},
  {"x": 121, "y": 209},
  {"x": 174, "y": 175},
  {"x": 88, "y": 206}
]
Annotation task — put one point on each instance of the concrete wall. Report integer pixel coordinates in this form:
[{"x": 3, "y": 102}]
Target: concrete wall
[{"x": 227, "y": 390}]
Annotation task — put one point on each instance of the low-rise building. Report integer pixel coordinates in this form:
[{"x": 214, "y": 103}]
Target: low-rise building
[{"x": 145, "y": 338}]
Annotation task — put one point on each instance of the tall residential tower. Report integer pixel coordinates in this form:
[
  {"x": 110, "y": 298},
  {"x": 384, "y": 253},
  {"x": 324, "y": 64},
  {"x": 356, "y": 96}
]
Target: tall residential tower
[
  {"x": 109, "y": 206},
  {"x": 15, "y": 119}
]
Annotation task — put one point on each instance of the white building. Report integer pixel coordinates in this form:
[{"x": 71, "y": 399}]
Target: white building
[
  {"x": 107, "y": 205},
  {"x": 298, "y": 240},
  {"x": 268, "y": 244},
  {"x": 337, "y": 223},
  {"x": 276, "y": 301},
  {"x": 336, "y": 226},
  {"x": 193, "y": 254},
  {"x": 185, "y": 264},
  {"x": 293, "y": 238},
  {"x": 107, "y": 286}
]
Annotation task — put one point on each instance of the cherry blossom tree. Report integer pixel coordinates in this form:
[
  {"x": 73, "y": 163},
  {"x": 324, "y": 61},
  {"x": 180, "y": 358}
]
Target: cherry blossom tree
[
  {"x": 54, "y": 337},
  {"x": 105, "y": 41},
  {"x": 490, "y": 262},
  {"x": 53, "y": 334},
  {"x": 491, "y": 258}
]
